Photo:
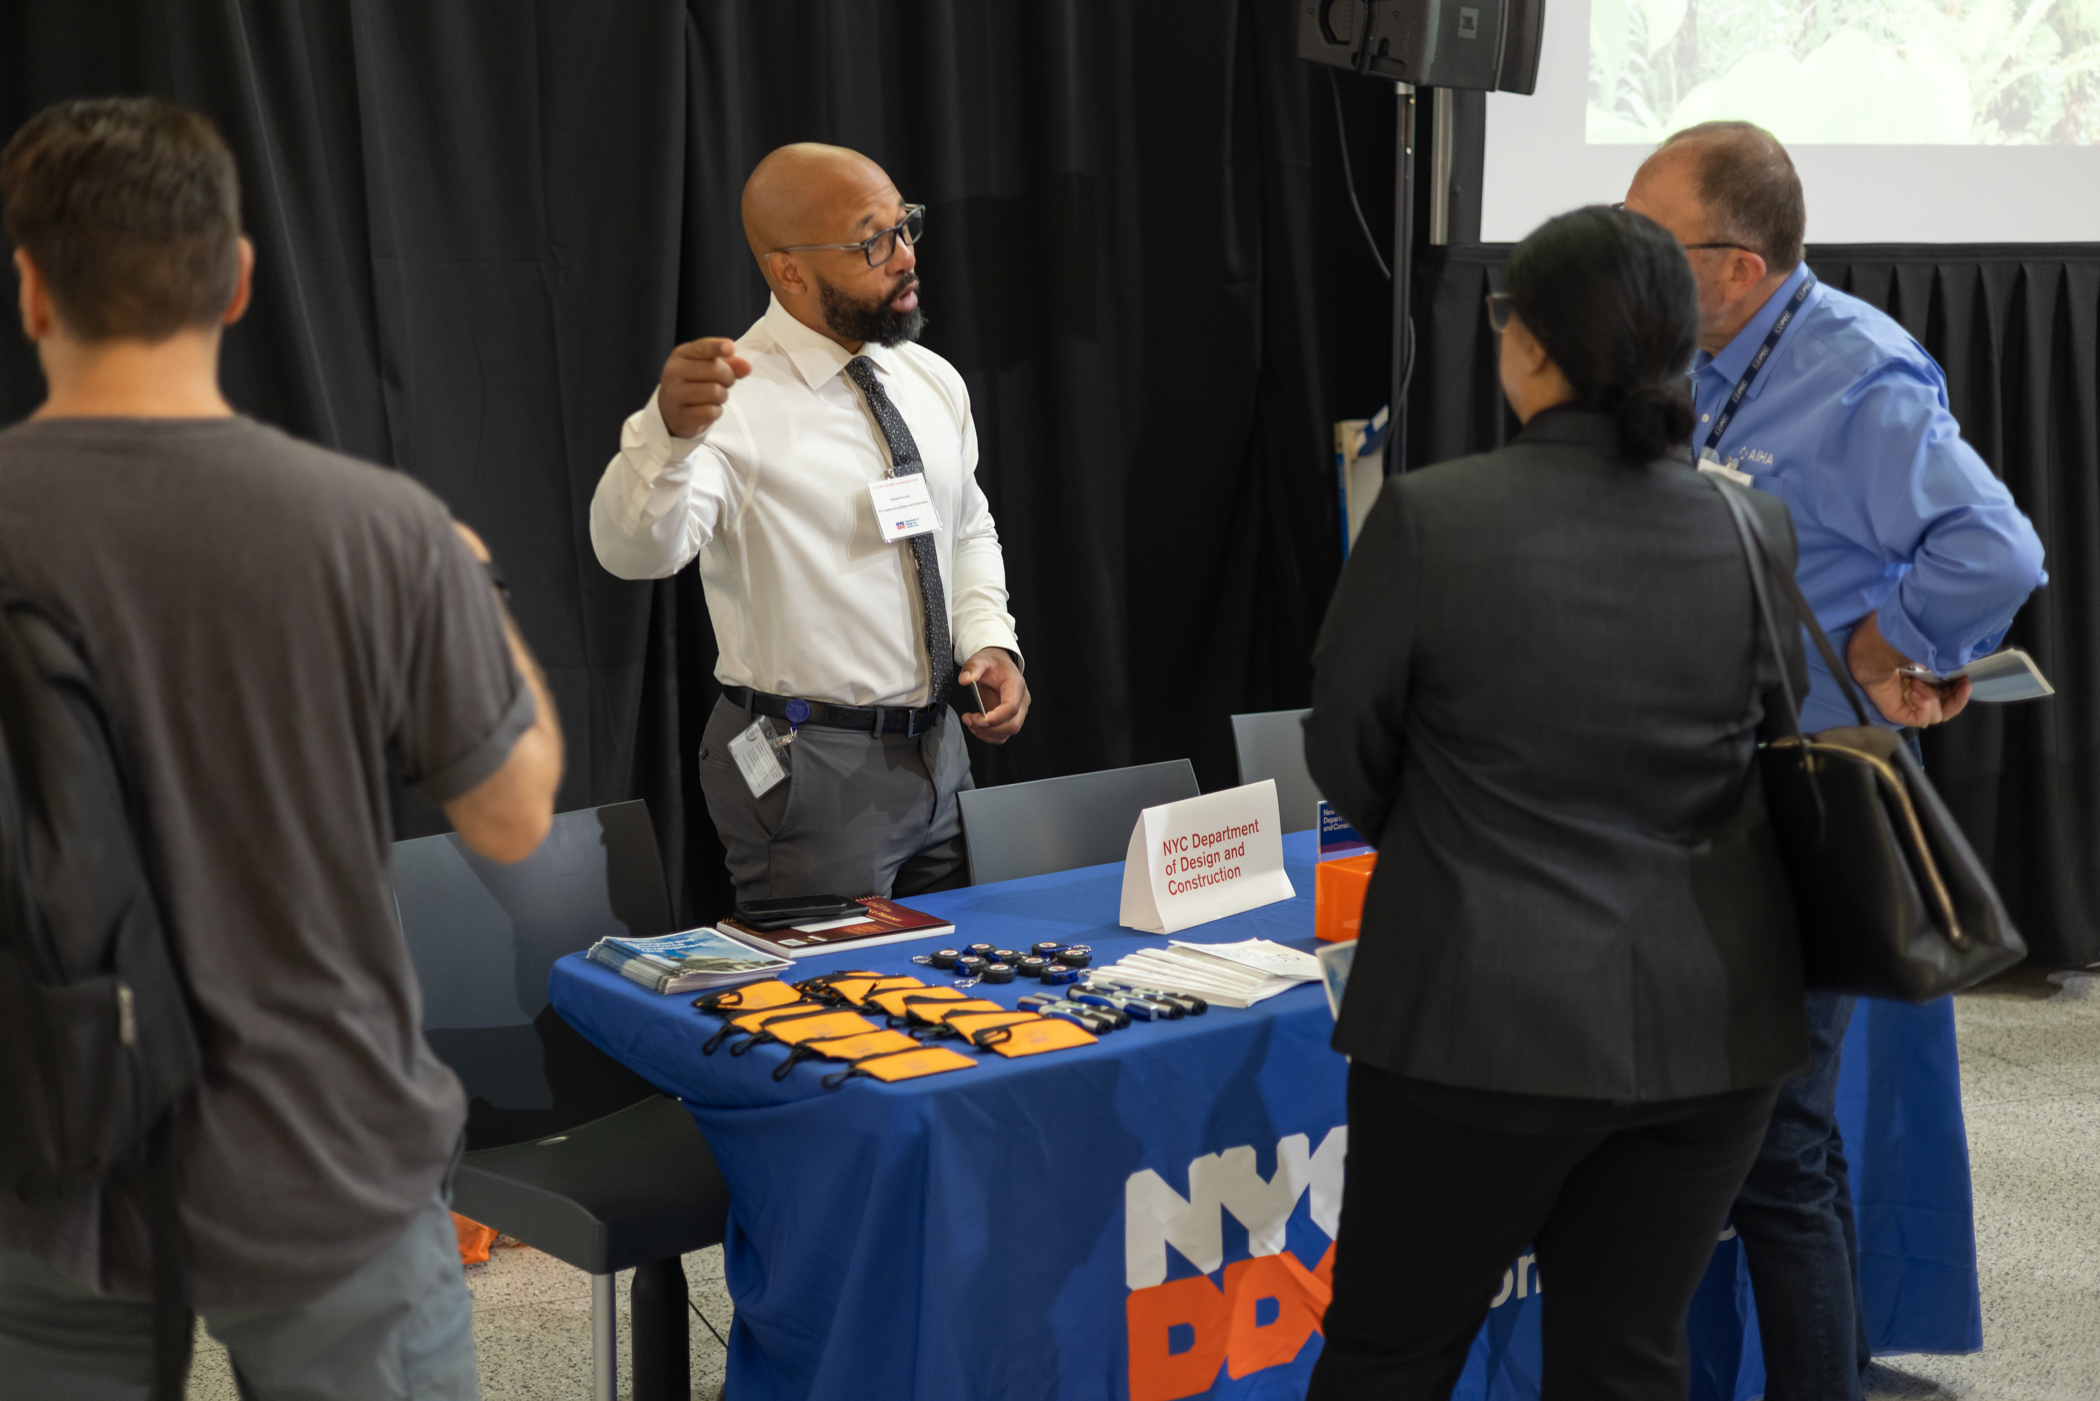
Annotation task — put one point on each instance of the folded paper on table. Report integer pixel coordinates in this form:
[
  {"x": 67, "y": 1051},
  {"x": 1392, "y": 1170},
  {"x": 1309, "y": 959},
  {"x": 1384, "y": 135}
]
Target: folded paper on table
[
  {"x": 1264, "y": 955},
  {"x": 1203, "y": 859},
  {"x": 1225, "y": 975}
]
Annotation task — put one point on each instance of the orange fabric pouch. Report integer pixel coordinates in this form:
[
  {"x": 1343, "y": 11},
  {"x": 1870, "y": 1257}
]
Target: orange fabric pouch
[
  {"x": 967, "y": 1024},
  {"x": 937, "y": 1013},
  {"x": 846, "y": 1048},
  {"x": 822, "y": 978},
  {"x": 902, "y": 1065},
  {"x": 1032, "y": 1038},
  {"x": 894, "y": 1000},
  {"x": 752, "y": 997},
  {"x": 793, "y": 1031},
  {"x": 750, "y": 1023},
  {"x": 807, "y": 1026},
  {"x": 821, "y": 987},
  {"x": 856, "y": 991}
]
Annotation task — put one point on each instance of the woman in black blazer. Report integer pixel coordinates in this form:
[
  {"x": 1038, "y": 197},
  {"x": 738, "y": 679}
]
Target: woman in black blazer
[{"x": 1538, "y": 690}]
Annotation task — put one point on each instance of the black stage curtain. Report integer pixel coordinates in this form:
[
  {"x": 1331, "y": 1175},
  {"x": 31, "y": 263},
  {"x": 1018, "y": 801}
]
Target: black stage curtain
[
  {"x": 482, "y": 226},
  {"x": 2017, "y": 328}
]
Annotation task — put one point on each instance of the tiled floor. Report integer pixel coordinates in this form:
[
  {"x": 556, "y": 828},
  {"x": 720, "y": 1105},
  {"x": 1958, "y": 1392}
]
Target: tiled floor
[
  {"x": 532, "y": 1330},
  {"x": 2030, "y": 1055}
]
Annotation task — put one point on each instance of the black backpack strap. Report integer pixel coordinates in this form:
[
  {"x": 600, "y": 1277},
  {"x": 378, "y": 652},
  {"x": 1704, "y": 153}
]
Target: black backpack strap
[{"x": 174, "y": 1329}]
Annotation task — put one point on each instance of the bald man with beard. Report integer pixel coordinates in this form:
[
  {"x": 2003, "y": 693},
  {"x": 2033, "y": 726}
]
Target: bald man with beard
[{"x": 822, "y": 469}]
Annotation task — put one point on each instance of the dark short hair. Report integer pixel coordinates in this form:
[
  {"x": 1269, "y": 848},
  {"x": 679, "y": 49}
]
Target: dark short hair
[
  {"x": 1609, "y": 295},
  {"x": 1748, "y": 183},
  {"x": 130, "y": 208}
]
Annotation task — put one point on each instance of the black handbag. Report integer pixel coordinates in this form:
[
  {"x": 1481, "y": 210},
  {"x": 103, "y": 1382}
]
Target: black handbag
[{"x": 1891, "y": 898}]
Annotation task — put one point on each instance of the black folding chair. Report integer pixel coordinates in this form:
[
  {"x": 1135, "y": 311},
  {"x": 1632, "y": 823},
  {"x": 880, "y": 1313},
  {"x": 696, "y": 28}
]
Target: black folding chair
[
  {"x": 567, "y": 1149},
  {"x": 1056, "y": 824}
]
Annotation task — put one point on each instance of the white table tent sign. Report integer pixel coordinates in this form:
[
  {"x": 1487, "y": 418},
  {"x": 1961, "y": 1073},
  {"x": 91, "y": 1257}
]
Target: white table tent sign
[{"x": 1203, "y": 859}]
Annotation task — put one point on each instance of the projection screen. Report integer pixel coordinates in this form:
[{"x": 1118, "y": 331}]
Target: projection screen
[{"x": 1911, "y": 121}]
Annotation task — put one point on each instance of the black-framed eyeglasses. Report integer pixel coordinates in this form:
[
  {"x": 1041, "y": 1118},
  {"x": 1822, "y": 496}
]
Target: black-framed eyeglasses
[
  {"x": 877, "y": 248},
  {"x": 1500, "y": 305},
  {"x": 1698, "y": 247}
]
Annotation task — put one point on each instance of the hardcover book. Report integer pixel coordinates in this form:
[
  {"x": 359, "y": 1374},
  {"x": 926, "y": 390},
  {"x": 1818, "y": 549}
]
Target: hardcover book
[{"x": 886, "y": 922}]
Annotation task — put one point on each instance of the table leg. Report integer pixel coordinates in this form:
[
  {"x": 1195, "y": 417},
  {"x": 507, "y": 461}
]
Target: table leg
[{"x": 657, "y": 1308}]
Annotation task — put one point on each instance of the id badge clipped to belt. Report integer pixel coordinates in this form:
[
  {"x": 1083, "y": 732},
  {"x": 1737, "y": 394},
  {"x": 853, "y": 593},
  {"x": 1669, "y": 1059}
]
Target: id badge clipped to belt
[{"x": 761, "y": 756}]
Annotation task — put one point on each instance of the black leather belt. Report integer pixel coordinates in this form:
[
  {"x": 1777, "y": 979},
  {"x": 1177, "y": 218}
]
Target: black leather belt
[{"x": 869, "y": 719}]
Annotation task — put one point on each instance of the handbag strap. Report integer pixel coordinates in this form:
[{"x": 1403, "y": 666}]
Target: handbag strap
[{"x": 1759, "y": 560}]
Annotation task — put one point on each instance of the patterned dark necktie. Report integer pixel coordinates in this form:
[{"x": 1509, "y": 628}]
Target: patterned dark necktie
[{"x": 904, "y": 460}]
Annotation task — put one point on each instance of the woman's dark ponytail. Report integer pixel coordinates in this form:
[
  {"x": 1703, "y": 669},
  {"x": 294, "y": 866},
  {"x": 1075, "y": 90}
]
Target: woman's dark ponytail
[
  {"x": 1655, "y": 420},
  {"x": 1609, "y": 295}
]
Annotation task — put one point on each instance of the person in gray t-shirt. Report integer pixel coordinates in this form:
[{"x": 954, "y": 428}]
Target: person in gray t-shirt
[{"x": 267, "y": 620}]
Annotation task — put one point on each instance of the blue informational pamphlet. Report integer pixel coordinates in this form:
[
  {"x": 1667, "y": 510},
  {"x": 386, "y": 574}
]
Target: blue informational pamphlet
[
  {"x": 1337, "y": 837},
  {"x": 695, "y": 959}
]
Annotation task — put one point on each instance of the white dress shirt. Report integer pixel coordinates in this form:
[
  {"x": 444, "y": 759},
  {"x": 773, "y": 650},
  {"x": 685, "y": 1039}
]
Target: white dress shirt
[{"x": 807, "y": 598}]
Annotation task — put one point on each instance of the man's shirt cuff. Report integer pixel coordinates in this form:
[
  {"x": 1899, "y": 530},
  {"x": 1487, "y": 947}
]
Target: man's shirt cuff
[
  {"x": 661, "y": 466},
  {"x": 661, "y": 449},
  {"x": 972, "y": 638},
  {"x": 1902, "y": 634}
]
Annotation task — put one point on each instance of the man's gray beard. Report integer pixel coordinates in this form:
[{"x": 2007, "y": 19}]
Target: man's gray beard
[{"x": 868, "y": 321}]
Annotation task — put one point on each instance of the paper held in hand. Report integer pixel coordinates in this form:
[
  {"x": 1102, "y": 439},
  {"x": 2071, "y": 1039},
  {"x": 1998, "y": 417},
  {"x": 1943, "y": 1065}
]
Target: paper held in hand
[
  {"x": 2010, "y": 675},
  {"x": 1203, "y": 859}
]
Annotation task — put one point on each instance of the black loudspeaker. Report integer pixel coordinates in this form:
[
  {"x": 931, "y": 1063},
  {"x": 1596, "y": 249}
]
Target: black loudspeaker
[{"x": 1488, "y": 45}]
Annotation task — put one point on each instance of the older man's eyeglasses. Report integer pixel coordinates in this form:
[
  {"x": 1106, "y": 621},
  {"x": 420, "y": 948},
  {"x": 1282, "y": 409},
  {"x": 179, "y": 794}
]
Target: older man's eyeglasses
[
  {"x": 1700, "y": 247},
  {"x": 877, "y": 248},
  {"x": 1500, "y": 305}
]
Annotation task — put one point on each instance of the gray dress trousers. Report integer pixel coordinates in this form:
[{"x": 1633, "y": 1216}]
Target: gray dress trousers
[{"x": 859, "y": 814}]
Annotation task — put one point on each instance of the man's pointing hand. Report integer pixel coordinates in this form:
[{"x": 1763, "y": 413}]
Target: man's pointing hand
[{"x": 696, "y": 382}]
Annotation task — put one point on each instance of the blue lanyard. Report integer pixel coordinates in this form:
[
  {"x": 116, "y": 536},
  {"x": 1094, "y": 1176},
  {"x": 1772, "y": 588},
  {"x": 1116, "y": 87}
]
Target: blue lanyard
[{"x": 1757, "y": 363}]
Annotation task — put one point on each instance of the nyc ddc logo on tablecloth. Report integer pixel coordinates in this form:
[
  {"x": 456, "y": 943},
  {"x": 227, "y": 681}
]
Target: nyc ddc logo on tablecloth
[
  {"x": 1246, "y": 1315},
  {"x": 1253, "y": 1313}
]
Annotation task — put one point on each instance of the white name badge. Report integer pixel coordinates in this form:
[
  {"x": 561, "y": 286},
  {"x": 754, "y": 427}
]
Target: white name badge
[
  {"x": 757, "y": 757},
  {"x": 1203, "y": 859},
  {"x": 904, "y": 506},
  {"x": 1710, "y": 461}
]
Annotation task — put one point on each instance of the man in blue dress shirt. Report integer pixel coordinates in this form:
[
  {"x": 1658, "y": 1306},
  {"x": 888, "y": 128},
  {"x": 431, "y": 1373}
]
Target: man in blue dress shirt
[{"x": 1912, "y": 553}]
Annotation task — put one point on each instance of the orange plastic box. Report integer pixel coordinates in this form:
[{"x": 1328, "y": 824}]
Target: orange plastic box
[{"x": 1338, "y": 896}]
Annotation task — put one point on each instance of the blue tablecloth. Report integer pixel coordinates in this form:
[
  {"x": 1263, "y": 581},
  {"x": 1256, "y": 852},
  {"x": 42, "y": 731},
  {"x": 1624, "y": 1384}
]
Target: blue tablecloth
[{"x": 1034, "y": 1228}]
